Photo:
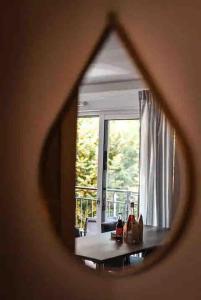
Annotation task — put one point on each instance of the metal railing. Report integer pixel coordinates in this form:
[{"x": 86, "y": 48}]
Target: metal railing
[{"x": 117, "y": 201}]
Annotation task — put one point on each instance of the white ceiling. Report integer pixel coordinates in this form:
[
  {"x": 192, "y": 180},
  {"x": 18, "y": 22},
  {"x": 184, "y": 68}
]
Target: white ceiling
[
  {"x": 112, "y": 64},
  {"x": 112, "y": 81}
]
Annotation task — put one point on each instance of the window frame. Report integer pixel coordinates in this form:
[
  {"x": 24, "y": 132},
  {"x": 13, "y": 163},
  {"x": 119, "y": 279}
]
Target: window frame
[{"x": 103, "y": 117}]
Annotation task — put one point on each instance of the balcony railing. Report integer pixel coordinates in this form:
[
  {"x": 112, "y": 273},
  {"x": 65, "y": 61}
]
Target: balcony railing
[{"x": 117, "y": 201}]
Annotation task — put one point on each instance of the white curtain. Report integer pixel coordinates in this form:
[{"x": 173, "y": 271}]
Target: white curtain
[{"x": 156, "y": 163}]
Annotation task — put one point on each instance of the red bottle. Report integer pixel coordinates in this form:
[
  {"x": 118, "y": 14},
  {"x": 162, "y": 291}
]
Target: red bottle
[
  {"x": 119, "y": 229},
  {"x": 131, "y": 217}
]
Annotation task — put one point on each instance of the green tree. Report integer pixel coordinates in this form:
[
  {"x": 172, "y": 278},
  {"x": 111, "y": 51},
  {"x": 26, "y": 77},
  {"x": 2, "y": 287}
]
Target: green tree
[
  {"x": 86, "y": 168},
  {"x": 123, "y": 154}
]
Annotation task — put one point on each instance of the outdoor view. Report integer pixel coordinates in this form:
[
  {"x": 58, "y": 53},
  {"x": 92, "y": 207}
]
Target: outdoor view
[
  {"x": 122, "y": 176},
  {"x": 86, "y": 169}
]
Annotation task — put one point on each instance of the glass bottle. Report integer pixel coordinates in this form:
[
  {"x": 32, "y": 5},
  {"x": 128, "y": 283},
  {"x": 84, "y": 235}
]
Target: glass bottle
[
  {"x": 119, "y": 229},
  {"x": 131, "y": 217}
]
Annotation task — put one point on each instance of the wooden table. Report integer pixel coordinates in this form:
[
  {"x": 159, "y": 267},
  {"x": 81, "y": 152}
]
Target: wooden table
[{"x": 101, "y": 248}]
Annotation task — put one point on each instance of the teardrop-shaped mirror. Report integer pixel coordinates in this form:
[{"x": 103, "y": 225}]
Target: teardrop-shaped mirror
[{"x": 126, "y": 199}]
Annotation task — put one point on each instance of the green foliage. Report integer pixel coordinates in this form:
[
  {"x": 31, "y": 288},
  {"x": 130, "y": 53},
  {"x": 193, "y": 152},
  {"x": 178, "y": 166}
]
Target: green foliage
[
  {"x": 123, "y": 154},
  {"x": 87, "y": 152},
  {"x": 86, "y": 168}
]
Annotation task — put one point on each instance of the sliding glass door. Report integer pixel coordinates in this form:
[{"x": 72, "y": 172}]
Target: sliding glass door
[{"x": 107, "y": 167}]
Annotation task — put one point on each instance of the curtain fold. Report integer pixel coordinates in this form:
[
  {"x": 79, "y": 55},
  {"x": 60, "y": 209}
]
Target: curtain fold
[{"x": 156, "y": 163}]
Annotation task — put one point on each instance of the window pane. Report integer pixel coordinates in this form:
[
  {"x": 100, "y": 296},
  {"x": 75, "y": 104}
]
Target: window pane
[
  {"x": 86, "y": 168},
  {"x": 122, "y": 166}
]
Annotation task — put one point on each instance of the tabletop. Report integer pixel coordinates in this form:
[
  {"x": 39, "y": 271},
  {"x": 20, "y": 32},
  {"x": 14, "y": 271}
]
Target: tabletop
[{"x": 101, "y": 247}]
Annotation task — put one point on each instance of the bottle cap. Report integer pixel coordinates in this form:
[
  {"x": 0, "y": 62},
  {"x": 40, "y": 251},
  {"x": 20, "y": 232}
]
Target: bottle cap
[{"x": 132, "y": 204}]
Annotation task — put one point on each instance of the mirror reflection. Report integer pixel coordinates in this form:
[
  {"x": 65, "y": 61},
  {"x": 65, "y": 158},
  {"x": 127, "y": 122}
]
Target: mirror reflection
[{"x": 127, "y": 184}]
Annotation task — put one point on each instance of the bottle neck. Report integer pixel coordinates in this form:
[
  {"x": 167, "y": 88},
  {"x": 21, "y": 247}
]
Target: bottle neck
[
  {"x": 132, "y": 211},
  {"x": 119, "y": 217}
]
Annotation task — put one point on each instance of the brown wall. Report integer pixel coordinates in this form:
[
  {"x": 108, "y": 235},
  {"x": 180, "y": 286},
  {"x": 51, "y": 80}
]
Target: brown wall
[
  {"x": 50, "y": 176},
  {"x": 44, "y": 45}
]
